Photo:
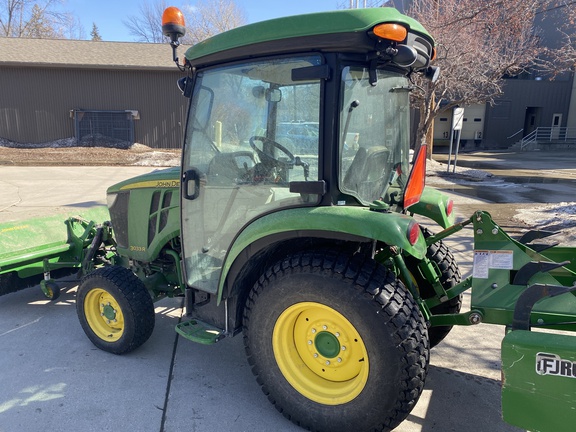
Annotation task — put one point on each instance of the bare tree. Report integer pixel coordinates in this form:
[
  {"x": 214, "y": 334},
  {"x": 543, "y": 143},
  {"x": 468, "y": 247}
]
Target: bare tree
[
  {"x": 147, "y": 25},
  {"x": 71, "y": 27},
  {"x": 39, "y": 25},
  {"x": 479, "y": 44},
  {"x": 31, "y": 18},
  {"x": 211, "y": 17}
]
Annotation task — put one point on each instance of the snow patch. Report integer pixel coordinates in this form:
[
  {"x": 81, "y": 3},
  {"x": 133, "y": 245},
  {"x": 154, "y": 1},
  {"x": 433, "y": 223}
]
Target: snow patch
[
  {"x": 96, "y": 140},
  {"x": 552, "y": 217},
  {"x": 158, "y": 158},
  {"x": 439, "y": 169}
]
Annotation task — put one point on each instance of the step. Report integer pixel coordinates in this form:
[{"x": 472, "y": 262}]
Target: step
[{"x": 200, "y": 332}]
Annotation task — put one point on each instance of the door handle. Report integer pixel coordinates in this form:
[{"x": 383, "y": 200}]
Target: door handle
[{"x": 191, "y": 184}]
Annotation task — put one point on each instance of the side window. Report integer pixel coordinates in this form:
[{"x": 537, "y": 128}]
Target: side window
[
  {"x": 253, "y": 124},
  {"x": 374, "y": 142}
]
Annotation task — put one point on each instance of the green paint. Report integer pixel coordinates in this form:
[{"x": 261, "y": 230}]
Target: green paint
[
  {"x": 331, "y": 222},
  {"x": 28, "y": 246},
  {"x": 539, "y": 400},
  {"x": 315, "y": 25},
  {"x": 433, "y": 204},
  {"x": 497, "y": 260},
  {"x": 327, "y": 344}
]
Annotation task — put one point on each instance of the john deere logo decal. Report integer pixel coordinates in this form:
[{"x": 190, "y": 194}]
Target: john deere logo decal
[{"x": 552, "y": 364}]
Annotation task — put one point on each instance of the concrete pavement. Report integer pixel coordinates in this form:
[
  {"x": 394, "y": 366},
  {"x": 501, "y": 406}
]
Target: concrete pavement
[{"x": 53, "y": 378}]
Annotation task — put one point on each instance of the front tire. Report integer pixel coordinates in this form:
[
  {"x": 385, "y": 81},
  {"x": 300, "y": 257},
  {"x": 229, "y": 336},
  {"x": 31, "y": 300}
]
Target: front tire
[
  {"x": 337, "y": 344},
  {"x": 115, "y": 309}
]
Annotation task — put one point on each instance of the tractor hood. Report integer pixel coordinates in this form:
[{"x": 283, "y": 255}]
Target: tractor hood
[
  {"x": 144, "y": 212},
  {"x": 158, "y": 179}
]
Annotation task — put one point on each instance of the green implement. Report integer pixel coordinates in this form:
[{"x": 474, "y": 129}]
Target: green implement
[{"x": 37, "y": 247}]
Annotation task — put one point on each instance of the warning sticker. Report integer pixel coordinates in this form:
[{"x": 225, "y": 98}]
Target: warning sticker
[
  {"x": 489, "y": 259},
  {"x": 481, "y": 264},
  {"x": 503, "y": 259}
]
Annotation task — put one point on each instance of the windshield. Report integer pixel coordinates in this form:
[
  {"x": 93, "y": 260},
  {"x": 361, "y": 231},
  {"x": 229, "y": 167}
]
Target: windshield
[{"x": 374, "y": 135}]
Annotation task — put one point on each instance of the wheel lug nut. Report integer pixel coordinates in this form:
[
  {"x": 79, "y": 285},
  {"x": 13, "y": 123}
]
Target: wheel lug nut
[
  {"x": 309, "y": 342},
  {"x": 327, "y": 362},
  {"x": 313, "y": 330},
  {"x": 315, "y": 355},
  {"x": 339, "y": 360},
  {"x": 337, "y": 334},
  {"x": 324, "y": 327},
  {"x": 343, "y": 348}
]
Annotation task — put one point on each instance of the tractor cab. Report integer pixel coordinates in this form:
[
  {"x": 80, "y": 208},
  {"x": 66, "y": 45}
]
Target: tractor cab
[{"x": 281, "y": 119}]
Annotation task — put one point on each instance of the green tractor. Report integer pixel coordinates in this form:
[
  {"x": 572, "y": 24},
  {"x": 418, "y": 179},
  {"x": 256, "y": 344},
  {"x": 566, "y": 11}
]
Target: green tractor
[
  {"x": 300, "y": 241},
  {"x": 291, "y": 221}
]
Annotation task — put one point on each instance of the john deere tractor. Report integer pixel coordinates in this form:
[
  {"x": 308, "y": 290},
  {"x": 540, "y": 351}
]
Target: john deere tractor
[
  {"x": 300, "y": 241},
  {"x": 291, "y": 221}
]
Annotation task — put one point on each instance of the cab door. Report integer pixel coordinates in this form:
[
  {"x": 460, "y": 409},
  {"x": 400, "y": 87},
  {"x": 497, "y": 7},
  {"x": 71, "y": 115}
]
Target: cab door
[{"x": 236, "y": 164}]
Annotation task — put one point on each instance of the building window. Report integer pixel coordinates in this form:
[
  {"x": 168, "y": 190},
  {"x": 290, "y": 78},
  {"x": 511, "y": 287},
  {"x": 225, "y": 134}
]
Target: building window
[{"x": 104, "y": 128}]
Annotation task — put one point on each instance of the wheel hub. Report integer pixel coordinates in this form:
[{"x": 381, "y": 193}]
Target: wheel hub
[
  {"x": 320, "y": 353},
  {"x": 327, "y": 344},
  {"x": 104, "y": 315},
  {"x": 108, "y": 312}
]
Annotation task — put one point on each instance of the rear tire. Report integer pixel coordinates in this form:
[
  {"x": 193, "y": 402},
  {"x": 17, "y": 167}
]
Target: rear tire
[
  {"x": 337, "y": 344},
  {"x": 115, "y": 309}
]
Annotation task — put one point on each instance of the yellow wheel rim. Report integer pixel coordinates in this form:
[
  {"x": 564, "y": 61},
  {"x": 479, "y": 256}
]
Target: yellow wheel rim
[
  {"x": 104, "y": 315},
  {"x": 320, "y": 353}
]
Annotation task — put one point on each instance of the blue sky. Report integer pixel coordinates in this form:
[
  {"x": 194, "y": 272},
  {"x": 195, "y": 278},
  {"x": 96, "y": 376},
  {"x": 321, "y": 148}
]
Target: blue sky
[{"x": 108, "y": 14}]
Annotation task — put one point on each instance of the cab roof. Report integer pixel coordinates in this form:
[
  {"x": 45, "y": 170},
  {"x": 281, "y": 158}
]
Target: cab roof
[{"x": 342, "y": 30}]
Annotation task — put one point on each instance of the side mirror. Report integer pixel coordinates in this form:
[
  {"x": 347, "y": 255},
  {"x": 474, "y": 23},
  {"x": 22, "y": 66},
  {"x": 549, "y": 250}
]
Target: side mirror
[
  {"x": 185, "y": 86},
  {"x": 405, "y": 56}
]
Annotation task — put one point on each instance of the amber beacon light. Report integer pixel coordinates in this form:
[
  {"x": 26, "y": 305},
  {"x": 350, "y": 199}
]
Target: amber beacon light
[
  {"x": 173, "y": 27},
  {"x": 173, "y": 23}
]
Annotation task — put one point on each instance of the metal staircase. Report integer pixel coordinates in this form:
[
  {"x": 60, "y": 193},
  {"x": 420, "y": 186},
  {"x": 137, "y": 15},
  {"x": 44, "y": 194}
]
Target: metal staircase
[{"x": 548, "y": 138}]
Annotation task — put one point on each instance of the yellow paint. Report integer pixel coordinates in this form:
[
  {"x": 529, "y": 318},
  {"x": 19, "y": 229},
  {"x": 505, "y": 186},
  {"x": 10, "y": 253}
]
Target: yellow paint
[
  {"x": 327, "y": 380},
  {"x": 94, "y": 306},
  {"x": 155, "y": 184}
]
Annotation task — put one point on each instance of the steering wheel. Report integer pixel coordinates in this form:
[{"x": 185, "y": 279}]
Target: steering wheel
[{"x": 267, "y": 159}]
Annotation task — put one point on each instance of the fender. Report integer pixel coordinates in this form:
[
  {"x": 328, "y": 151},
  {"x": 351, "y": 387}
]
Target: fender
[
  {"x": 435, "y": 205},
  {"x": 328, "y": 222}
]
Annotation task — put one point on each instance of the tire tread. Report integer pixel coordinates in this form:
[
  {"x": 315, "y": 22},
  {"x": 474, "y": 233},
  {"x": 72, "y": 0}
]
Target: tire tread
[
  {"x": 140, "y": 318},
  {"x": 392, "y": 303}
]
